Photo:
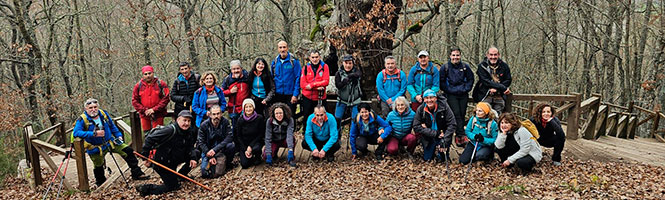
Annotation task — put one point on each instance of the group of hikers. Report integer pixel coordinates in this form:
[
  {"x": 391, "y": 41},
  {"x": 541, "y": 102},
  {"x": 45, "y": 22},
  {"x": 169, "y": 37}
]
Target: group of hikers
[{"x": 261, "y": 106}]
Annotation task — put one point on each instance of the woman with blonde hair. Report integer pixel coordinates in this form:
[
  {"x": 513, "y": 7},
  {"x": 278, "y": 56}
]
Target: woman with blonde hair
[
  {"x": 207, "y": 96},
  {"x": 481, "y": 131}
]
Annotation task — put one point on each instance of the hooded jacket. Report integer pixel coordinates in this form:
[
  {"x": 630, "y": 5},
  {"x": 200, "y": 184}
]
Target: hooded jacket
[
  {"x": 87, "y": 133},
  {"x": 276, "y": 131},
  {"x": 182, "y": 91},
  {"x": 348, "y": 86},
  {"x": 286, "y": 74},
  {"x": 322, "y": 132},
  {"x": 456, "y": 79},
  {"x": 391, "y": 86},
  {"x": 480, "y": 127},
  {"x": 444, "y": 121},
  {"x": 153, "y": 96},
  {"x": 199, "y": 105},
  {"x": 375, "y": 124},
  {"x": 174, "y": 146},
  {"x": 320, "y": 78},
  {"x": 421, "y": 80},
  {"x": 526, "y": 145}
]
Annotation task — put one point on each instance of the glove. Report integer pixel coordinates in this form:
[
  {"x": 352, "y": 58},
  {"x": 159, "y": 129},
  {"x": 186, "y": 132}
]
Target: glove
[
  {"x": 479, "y": 138},
  {"x": 290, "y": 157},
  {"x": 269, "y": 159}
]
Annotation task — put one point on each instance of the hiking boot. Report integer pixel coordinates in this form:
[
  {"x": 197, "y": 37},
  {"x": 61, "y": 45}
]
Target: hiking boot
[
  {"x": 556, "y": 163},
  {"x": 330, "y": 158},
  {"x": 379, "y": 158},
  {"x": 292, "y": 163},
  {"x": 140, "y": 177},
  {"x": 100, "y": 178},
  {"x": 144, "y": 189}
]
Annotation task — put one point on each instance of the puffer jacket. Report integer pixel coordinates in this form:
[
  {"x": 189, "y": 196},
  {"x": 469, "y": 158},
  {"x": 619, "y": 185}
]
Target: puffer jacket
[
  {"x": 480, "y": 127},
  {"x": 400, "y": 123}
]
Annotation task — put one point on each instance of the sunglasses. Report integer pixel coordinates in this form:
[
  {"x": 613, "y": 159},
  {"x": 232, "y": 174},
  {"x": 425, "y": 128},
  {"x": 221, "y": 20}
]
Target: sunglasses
[
  {"x": 91, "y": 102},
  {"x": 147, "y": 73}
]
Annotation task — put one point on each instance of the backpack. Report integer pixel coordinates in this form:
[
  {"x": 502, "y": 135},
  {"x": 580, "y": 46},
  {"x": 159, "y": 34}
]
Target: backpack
[
  {"x": 274, "y": 62},
  {"x": 489, "y": 124},
  {"x": 532, "y": 129},
  {"x": 385, "y": 76},
  {"x": 160, "y": 127},
  {"x": 159, "y": 82},
  {"x": 86, "y": 124},
  {"x": 196, "y": 76}
]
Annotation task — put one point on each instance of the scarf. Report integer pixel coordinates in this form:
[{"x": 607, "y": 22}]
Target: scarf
[
  {"x": 258, "y": 73},
  {"x": 249, "y": 118},
  {"x": 209, "y": 88},
  {"x": 544, "y": 122}
]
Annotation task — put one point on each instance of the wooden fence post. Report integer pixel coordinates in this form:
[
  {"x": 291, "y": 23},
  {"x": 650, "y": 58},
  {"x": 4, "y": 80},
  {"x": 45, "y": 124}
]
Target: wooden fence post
[
  {"x": 654, "y": 127},
  {"x": 573, "y": 129},
  {"x": 81, "y": 169},
  {"x": 590, "y": 129},
  {"x": 509, "y": 103},
  {"x": 137, "y": 133},
  {"x": 32, "y": 155}
]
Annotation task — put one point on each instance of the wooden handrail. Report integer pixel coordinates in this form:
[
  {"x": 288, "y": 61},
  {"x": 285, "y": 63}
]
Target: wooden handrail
[
  {"x": 47, "y": 129},
  {"x": 543, "y": 97},
  {"x": 645, "y": 110},
  {"x": 615, "y": 106}
]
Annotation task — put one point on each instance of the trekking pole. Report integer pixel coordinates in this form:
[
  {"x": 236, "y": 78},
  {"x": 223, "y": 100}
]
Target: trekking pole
[
  {"x": 118, "y": 166},
  {"x": 69, "y": 157},
  {"x": 170, "y": 170},
  {"x": 320, "y": 102},
  {"x": 58, "y": 171},
  {"x": 446, "y": 158},
  {"x": 470, "y": 163}
]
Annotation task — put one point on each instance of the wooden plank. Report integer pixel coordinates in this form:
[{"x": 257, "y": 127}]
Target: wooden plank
[
  {"x": 82, "y": 170},
  {"x": 645, "y": 120},
  {"x": 621, "y": 126},
  {"x": 611, "y": 124},
  {"x": 632, "y": 127},
  {"x": 654, "y": 126},
  {"x": 645, "y": 110},
  {"x": 126, "y": 128},
  {"x": 54, "y": 167},
  {"x": 601, "y": 124},
  {"x": 586, "y": 104},
  {"x": 589, "y": 127},
  {"x": 48, "y": 146},
  {"x": 615, "y": 106},
  {"x": 543, "y": 97},
  {"x": 137, "y": 136},
  {"x": 572, "y": 131},
  {"x": 33, "y": 155},
  {"x": 51, "y": 136},
  {"x": 47, "y": 130}
]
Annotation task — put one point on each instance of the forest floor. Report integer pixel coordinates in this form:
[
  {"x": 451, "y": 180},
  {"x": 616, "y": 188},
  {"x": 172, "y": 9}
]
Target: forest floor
[{"x": 608, "y": 168}]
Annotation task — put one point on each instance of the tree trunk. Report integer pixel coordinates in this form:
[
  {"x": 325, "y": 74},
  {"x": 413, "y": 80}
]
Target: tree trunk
[
  {"x": 639, "y": 52},
  {"x": 144, "y": 22},
  {"x": 477, "y": 55},
  {"x": 27, "y": 32}
]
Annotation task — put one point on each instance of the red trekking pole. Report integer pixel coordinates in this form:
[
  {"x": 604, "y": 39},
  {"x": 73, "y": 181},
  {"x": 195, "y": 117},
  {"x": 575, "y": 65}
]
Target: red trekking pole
[
  {"x": 67, "y": 156},
  {"x": 170, "y": 170}
]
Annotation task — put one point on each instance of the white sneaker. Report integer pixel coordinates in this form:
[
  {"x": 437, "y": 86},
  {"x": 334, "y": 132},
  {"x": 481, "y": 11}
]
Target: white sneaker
[{"x": 555, "y": 163}]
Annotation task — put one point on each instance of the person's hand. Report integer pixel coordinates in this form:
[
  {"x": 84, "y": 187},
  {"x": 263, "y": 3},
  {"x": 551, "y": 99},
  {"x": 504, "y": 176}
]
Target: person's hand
[
  {"x": 505, "y": 163},
  {"x": 322, "y": 154},
  {"x": 419, "y": 98},
  {"x": 248, "y": 152},
  {"x": 121, "y": 139},
  {"x": 478, "y": 138},
  {"x": 210, "y": 153},
  {"x": 353, "y": 157},
  {"x": 309, "y": 87},
  {"x": 290, "y": 156},
  {"x": 492, "y": 90},
  {"x": 213, "y": 161},
  {"x": 315, "y": 153},
  {"x": 146, "y": 163},
  {"x": 423, "y": 125},
  {"x": 507, "y": 91},
  {"x": 441, "y": 134},
  {"x": 380, "y": 139},
  {"x": 382, "y": 131},
  {"x": 192, "y": 163},
  {"x": 264, "y": 102},
  {"x": 149, "y": 112},
  {"x": 389, "y": 101},
  {"x": 321, "y": 88},
  {"x": 378, "y": 97},
  {"x": 99, "y": 133},
  {"x": 269, "y": 159},
  {"x": 294, "y": 100},
  {"x": 234, "y": 89}
]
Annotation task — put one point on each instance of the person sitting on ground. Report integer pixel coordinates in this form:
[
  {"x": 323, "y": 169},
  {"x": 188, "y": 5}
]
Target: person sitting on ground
[
  {"x": 102, "y": 136},
  {"x": 368, "y": 128},
  {"x": 482, "y": 130},
  {"x": 215, "y": 141},
  {"x": 321, "y": 136},
  {"x": 515, "y": 144},
  {"x": 435, "y": 121},
  {"x": 549, "y": 129},
  {"x": 207, "y": 96},
  {"x": 170, "y": 146},
  {"x": 249, "y": 134},
  {"x": 401, "y": 123},
  {"x": 279, "y": 133}
]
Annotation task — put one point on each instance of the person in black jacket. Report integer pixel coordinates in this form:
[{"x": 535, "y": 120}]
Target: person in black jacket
[
  {"x": 435, "y": 122},
  {"x": 493, "y": 81},
  {"x": 249, "y": 134},
  {"x": 170, "y": 146},
  {"x": 456, "y": 82},
  {"x": 549, "y": 128},
  {"x": 215, "y": 141},
  {"x": 261, "y": 84},
  {"x": 184, "y": 86}
]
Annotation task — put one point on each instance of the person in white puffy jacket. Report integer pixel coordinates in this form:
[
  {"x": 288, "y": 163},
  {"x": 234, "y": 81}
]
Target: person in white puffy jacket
[{"x": 515, "y": 144}]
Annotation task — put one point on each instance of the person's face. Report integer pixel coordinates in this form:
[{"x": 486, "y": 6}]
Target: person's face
[
  {"x": 283, "y": 49},
  {"x": 390, "y": 65},
  {"x": 364, "y": 114},
  {"x": 236, "y": 70},
  {"x": 493, "y": 55},
  {"x": 260, "y": 66},
  {"x": 92, "y": 109},
  {"x": 480, "y": 113},
  {"x": 185, "y": 70},
  {"x": 215, "y": 116},
  {"x": 455, "y": 57},
  {"x": 348, "y": 65},
  {"x": 184, "y": 122},
  {"x": 505, "y": 126},
  {"x": 209, "y": 80},
  {"x": 430, "y": 101},
  {"x": 249, "y": 109},
  {"x": 400, "y": 106},
  {"x": 319, "y": 114},
  {"x": 547, "y": 113},
  {"x": 279, "y": 114},
  {"x": 314, "y": 58},
  {"x": 148, "y": 76},
  {"x": 423, "y": 60}
]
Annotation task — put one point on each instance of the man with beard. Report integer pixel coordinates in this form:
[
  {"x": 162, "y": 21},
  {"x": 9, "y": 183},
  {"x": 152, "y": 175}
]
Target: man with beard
[{"x": 215, "y": 141}]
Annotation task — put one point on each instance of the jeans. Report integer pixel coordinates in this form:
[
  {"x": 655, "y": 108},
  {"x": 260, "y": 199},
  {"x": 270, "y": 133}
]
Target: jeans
[{"x": 341, "y": 108}]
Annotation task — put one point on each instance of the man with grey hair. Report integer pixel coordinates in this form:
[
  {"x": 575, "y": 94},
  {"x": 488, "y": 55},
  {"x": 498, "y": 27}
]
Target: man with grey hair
[
  {"x": 101, "y": 136},
  {"x": 285, "y": 69},
  {"x": 390, "y": 83},
  {"x": 236, "y": 89},
  {"x": 493, "y": 81}
]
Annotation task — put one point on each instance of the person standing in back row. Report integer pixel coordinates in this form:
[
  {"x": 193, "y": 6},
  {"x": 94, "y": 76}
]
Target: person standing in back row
[
  {"x": 493, "y": 81},
  {"x": 314, "y": 79},
  {"x": 456, "y": 81},
  {"x": 423, "y": 76},
  {"x": 150, "y": 97},
  {"x": 184, "y": 86},
  {"x": 285, "y": 70}
]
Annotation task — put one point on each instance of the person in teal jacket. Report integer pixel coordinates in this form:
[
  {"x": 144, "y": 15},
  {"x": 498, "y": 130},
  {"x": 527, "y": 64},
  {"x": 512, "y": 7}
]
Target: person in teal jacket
[
  {"x": 401, "y": 124},
  {"x": 422, "y": 76},
  {"x": 321, "y": 136},
  {"x": 390, "y": 84},
  {"x": 482, "y": 130},
  {"x": 368, "y": 128}
]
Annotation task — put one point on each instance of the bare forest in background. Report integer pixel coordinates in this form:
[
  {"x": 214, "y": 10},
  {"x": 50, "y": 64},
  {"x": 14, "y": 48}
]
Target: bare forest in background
[{"x": 54, "y": 54}]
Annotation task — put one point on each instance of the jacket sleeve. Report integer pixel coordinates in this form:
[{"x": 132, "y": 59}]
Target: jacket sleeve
[
  {"x": 332, "y": 123},
  {"x": 196, "y": 105},
  {"x": 409, "y": 84},
  {"x": 325, "y": 79},
  {"x": 402, "y": 86},
  {"x": 500, "y": 141},
  {"x": 194, "y": 153},
  {"x": 309, "y": 134},
  {"x": 435, "y": 83},
  {"x": 469, "y": 129},
  {"x": 508, "y": 80},
  {"x": 165, "y": 99},
  {"x": 379, "y": 87},
  {"x": 290, "y": 141},
  {"x": 494, "y": 130},
  {"x": 296, "y": 71},
  {"x": 524, "y": 140},
  {"x": 339, "y": 81},
  {"x": 114, "y": 129},
  {"x": 238, "y": 135},
  {"x": 202, "y": 138},
  {"x": 157, "y": 137},
  {"x": 353, "y": 134},
  {"x": 417, "y": 127},
  {"x": 451, "y": 125},
  {"x": 226, "y": 88},
  {"x": 229, "y": 136},
  {"x": 222, "y": 101},
  {"x": 485, "y": 77},
  {"x": 257, "y": 142},
  {"x": 383, "y": 125},
  {"x": 136, "y": 100},
  {"x": 271, "y": 89},
  {"x": 443, "y": 76},
  {"x": 468, "y": 85},
  {"x": 174, "y": 93},
  {"x": 268, "y": 138},
  {"x": 81, "y": 131}
]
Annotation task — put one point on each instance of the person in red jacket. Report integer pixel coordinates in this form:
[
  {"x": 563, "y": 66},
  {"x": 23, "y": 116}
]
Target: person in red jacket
[
  {"x": 149, "y": 98},
  {"x": 313, "y": 81},
  {"x": 237, "y": 89}
]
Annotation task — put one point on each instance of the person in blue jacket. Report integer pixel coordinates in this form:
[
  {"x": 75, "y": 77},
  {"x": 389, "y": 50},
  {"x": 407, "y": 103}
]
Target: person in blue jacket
[
  {"x": 102, "y": 136},
  {"x": 482, "y": 129},
  {"x": 456, "y": 81},
  {"x": 390, "y": 83},
  {"x": 401, "y": 128},
  {"x": 423, "y": 76},
  {"x": 368, "y": 128},
  {"x": 285, "y": 70},
  {"x": 321, "y": 136},
  {"x": 206, "y": 96}
]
